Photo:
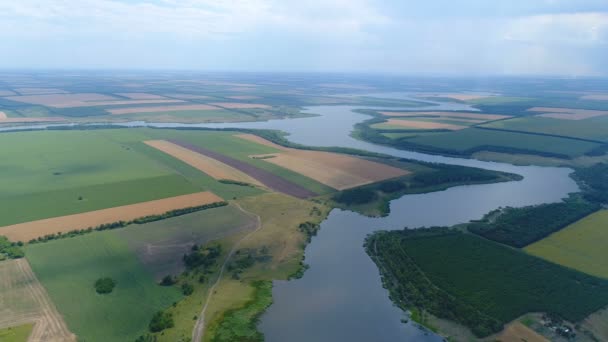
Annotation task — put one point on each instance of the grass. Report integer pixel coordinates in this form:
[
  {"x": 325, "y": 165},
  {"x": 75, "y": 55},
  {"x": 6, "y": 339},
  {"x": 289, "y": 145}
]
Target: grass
[
  {"x": 592, "y": 128},
  {"x": 188, "y": 116},
  {"x": 472, "y": 140},
  {"x": 68, "y": 269},
  {"x": 579, "y": 246},
  {"x": 16, "y": 334}
]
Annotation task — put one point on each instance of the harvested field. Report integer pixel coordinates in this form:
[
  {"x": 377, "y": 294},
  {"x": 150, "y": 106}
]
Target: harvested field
[
  {"x": 259, "y": 140},
  {"x": 25, "y": 120},
  {"x": 267, "y": 178},
  {"x": 423, "y": 124},
  {"x": 338, "y": 171},
  {"x": 80, "y": 100},
  {"x": 210, "y": 166},
  {"x": 243, "y": 97},
  {"x": 40, "y": 91},
  {"x": 142, "y": 96},
  {"x": 34, "y": 229},
  {"x": 24, "y": 300},
  {"x": 238, "y": 105},
  {"x": 157, "y": 109},
  {"x": 517, "y": 332},
  {"x": 595, "y": 97},
  {"x": 568, "y": 113},
  {"x": 189, "y": 96},
  {"x": 456, "y": 96},
  {"x": 475, "y": 116}
]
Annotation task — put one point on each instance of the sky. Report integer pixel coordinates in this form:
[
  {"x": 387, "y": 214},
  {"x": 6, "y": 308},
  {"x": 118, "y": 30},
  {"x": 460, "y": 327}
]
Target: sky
[{"x": 452, "y": 37}]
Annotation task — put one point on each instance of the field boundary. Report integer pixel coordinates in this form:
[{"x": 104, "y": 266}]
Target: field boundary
[{"x": 28, "y": 231}]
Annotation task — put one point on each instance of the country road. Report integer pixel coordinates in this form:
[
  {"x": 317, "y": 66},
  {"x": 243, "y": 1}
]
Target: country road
[{"x": 199, "y": 328}]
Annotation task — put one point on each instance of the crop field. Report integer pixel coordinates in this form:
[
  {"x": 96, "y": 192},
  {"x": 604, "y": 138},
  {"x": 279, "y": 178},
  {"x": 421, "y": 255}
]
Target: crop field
[
  {"x": 25, "y": 302},
  {"x": 568, "y": 113},
  {"x": 68, "y": 268},
  {"x": 210, "y": 166},
  {"x": 31, "y": 230},
  {"x": 597, "y": 97},
  {"x": 16, "y": 334},
  {"x": 516, "y": 331},
  {"x": 475, "y": 117},
  {"x": 161, "y": 109},
  {"x": 454, "y": 96},
  {"x": 238, "y": 105},
  {"x": 590, "y": 128},
  {"x": 160, "y": 245},
  {"x": 49, "y": 174},
  {"x": 473, "y": 140},
  {"x": 580, "y": 246},
  {"x": 80, "y": 100},
  {"x": 417, "y": 124},
  {"x": 141, "y": 96},
  {"x": 480, "y": 283}
]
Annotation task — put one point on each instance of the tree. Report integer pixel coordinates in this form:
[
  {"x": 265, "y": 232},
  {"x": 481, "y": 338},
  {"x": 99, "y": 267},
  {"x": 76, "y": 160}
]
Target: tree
[
  {"x": 104, "y": 285},
  {"x": 187, "y": 289},
  {"x": 161, "y": 321}
]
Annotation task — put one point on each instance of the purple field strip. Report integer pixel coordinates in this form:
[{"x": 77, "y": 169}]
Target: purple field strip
[{"x": 267, "y": 178}]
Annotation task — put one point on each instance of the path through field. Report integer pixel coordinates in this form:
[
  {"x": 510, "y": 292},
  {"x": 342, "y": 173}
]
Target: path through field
[
  {"x": 24, "y": 300},
  {"x": 199, "y": 327}
]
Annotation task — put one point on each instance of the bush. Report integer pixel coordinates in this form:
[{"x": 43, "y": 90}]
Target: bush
[
  {"x": 168, "y": 280},
  {"x": 161, "y": 321},
  {"x": 104, "y": 285},
  {"x": 187, "y": 289}
]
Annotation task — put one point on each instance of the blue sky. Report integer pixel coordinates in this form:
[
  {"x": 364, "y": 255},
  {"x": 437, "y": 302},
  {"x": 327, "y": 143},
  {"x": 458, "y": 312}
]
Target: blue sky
[{"x": 468, "y": 37}]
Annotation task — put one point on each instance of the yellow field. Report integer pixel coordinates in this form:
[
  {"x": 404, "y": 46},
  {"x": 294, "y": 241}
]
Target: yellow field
[
  {"x": 517, "y": 332},
  {"x": 581, "y": 245},
  {"x": 159, "y": 109},
  {"x": 472, "y": 116},
  {"x": 423, "y": 124},
  {"x": 335, "y": 170},
  {"x": 81, "y": 100},
  {"x": 34, "y": 229},
  {"x": 208, "y": 165},
  {"x": 23, "y": 300}
]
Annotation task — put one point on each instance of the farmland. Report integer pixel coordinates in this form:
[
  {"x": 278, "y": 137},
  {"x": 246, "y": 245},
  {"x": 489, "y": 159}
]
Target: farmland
[
  {"x": 591, "y": 128},
  {"x": 68, "y": 268},
  {"x": 477, "y": 283},
  {"x": 26, "y": 302},
  {"x": 579, "y": 246}
]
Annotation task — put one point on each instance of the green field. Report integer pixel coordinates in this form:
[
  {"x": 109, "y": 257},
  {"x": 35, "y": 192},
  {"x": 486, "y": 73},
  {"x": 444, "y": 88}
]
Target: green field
[
  {"x": 472, "y": 140},
  {"x": 479, "y": 283},
  {"x": 581, "y": 245},
  {"x": 16, "y": 334},
  {"x": 592, "y": 128},
  {"x": 68, "y": 172},
  {"x": 68, "y": 269},
  {"x": 188, "y": 116}
]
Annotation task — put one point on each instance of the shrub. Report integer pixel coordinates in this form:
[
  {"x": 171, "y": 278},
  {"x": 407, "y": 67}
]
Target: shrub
[{"x": 104, "y": 285}]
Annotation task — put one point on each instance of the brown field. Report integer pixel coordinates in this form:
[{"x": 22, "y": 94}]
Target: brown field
[
  {"x": 243, "y": 97},
  {"x": 597, "y": 323},
  {"x": 596, "y": 97},
  {"x": 517, "y": 332},
  {"x": 423, "y": 124},
  {"x": 39, "y": 91},
  {"x": 455, "y": 96},
  {"x": 189, "y": 96},
  {"x": 208, "y": 165},
  {"x": 237, "y": 105},
  {"x": 157, "y": 109},
  {"x": 142, "y": 96},
  {"x": 338, "y": 171},
  {"x": 568, "y": 113},
  {"x": 34, "y": 229},
  {"x": 26, "y": 120},
  {"x": 259, "y": 140},
  {"x": 475, "y": 116},
  {"x": 80, "y": 100},
  {"x": 2, "y": 115},
  {"x": 24, "y": 300}
]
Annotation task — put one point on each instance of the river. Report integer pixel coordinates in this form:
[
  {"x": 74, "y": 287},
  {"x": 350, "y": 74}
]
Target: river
[{"x": 341, "y": 298}]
